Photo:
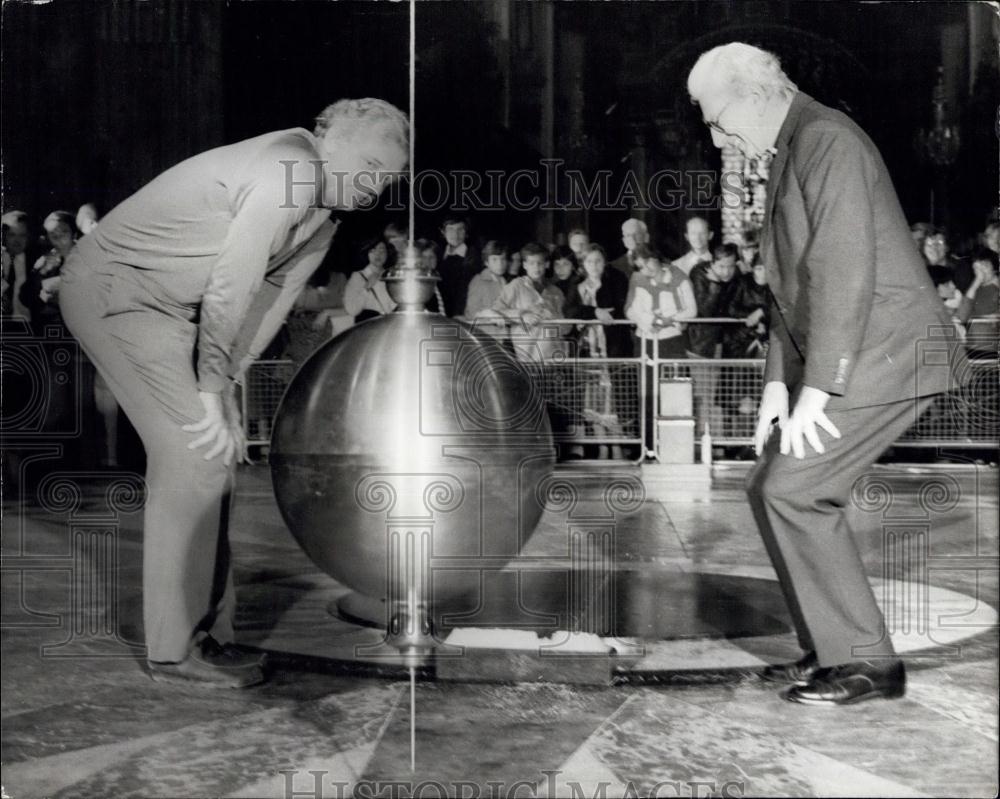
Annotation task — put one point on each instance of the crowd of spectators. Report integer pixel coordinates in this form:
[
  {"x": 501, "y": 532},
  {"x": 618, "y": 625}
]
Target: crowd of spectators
[
  {"x": 49, "y": 387},
  {"x": 567, "y": 298}
]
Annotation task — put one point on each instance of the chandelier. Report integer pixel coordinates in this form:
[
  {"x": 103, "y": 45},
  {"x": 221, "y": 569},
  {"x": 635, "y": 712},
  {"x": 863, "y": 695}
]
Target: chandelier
[{"x": 939, "y": 144}]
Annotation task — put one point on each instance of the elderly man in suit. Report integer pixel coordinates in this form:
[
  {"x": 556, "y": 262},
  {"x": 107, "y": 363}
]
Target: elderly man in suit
[
  {"x": 855, "y": 318},
  {"x": 634, "y": 233}
]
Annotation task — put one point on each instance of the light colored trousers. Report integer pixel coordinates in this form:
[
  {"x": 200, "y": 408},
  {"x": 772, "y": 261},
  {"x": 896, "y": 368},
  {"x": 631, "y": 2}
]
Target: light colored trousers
[{"x": 146, "y": 356}]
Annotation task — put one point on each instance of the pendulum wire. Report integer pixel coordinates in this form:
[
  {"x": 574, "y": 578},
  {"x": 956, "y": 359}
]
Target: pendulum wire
[
  {"x": 412, "y": 609},
  {"x": 413, "y": 718},
  {"x": 413, "y": 94}
]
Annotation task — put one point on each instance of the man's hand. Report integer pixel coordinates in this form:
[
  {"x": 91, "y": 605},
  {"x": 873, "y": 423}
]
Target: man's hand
[
  {"x": 235, "y": 422},
  {"x": 773, "y": 405},
  {"x": 216, "y": 430},
  {"x": 808, "y": 413},
  {"x": 603, "y": 314},
  {"x": 322, "y": 319}
]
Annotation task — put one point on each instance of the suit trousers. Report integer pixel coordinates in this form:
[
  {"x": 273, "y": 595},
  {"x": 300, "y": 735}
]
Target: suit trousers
[
  {"x": 802, "y": 511},
  {"x": 146, "y": 356}
]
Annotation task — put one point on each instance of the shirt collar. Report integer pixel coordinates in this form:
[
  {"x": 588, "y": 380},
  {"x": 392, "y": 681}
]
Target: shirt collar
[{"x": 461, "y": 250}]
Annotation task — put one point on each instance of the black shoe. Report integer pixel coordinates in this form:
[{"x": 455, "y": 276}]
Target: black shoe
[
  {"x": 852, "y": 682},
  {"x": 798, "y": 673},
  {"x": 212, "y": 665}
]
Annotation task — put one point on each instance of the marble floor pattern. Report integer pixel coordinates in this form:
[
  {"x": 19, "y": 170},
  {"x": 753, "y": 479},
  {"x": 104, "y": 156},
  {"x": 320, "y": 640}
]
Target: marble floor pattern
[{"x": 686, "y": 714}]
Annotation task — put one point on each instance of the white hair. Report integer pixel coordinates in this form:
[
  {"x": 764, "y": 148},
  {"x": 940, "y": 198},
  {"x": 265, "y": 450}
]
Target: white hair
[
  {"x": 57, "y": 218},
  {"x": 739, "y": 70},
  {"x": 345, "y": 117},
  {"x": 634, "y": 224}
]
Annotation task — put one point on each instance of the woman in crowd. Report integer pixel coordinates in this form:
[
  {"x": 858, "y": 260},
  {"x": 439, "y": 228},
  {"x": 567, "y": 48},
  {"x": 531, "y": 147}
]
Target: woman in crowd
[
  {"x": 601, "y": 296},
  {"x": 366, "y": 296}
]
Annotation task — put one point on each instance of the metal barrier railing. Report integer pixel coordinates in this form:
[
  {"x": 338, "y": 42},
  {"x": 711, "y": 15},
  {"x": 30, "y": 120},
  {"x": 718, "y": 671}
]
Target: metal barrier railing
[{"x": 607, "y": 404}]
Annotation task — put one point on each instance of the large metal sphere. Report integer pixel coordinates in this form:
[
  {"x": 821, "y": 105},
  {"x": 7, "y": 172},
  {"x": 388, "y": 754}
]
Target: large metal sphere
[{"x": 411, "y": 444}]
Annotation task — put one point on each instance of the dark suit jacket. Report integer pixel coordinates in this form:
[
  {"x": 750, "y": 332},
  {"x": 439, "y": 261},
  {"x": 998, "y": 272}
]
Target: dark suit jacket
[
  {"x": 855, "y": 312},
  {"x": 623, "y": 265},
  {"x": 456, "y": 275},
  {"x": 612, "y": 294}
]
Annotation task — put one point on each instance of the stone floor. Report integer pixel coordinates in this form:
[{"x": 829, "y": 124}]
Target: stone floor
[{"x": 684, "y": 715}]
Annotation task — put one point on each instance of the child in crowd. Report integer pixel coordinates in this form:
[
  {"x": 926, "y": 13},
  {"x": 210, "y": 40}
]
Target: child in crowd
[
  {"x": 514, "y": 267},
  {"x": 365, "y": 295},
  {"x": 713, "y": 285},
  {"x": 579, "y": 242},
  {"x": 396, "y": 237},
  {"x": 458, "y": 266},
  {"x": 428, "y": 252},
  {"x": 749, "y": 251},
  {"x": 528, "y": 301},
  {"x": 979, "y": 307},
  {"x": 748, "y": 302},
  {"x": 564, "y": 269},
  {"x": 944, "y": 282},
  {"x": 659, "y": 299},
  {"x": 485, "y": 288}
]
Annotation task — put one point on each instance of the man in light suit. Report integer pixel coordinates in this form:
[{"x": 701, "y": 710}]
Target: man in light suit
[
  {"x": 860, "y": 344},
  {"x": 173, "y": 294}
]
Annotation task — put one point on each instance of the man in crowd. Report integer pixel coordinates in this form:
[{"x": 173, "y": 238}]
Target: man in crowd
[
  {"x": 844, "y": 377},
  {"x": 698, "y": 235},
  {"x": 171, "y": 297},
  {"x": 459, "y": 264},
  {"x": 634, "y": 233},
  {"x": 18, "y": 260}
]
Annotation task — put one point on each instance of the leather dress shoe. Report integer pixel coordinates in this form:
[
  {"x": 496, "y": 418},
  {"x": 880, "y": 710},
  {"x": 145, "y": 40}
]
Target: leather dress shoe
[
  {"x": 798, "y": 673},
  {"x": 212, "y": 665},
  {"x": 850, "y": 683}
]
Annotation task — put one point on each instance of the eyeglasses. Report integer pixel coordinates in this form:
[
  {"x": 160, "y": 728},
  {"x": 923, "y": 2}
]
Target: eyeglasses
[{"x": 713, "y": 124}]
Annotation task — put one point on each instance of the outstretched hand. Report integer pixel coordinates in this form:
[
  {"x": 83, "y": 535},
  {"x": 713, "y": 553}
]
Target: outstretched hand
[
  {"x": 806, "y": 417},
  {"x": 773, "y": 407},
  {"x": 220, "y": 428}
]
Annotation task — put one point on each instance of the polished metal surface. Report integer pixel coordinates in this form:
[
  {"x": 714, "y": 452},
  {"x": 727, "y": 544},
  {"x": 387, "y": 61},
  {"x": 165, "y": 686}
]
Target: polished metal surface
[{"x": 406, "y": 455}]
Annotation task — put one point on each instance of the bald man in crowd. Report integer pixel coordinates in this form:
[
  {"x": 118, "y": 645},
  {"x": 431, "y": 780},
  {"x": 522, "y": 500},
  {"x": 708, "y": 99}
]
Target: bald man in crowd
[
  {"x": 171, "y": 296},
  {"x": 634, "y": 233},
  {"x": 853, "y": 315}
]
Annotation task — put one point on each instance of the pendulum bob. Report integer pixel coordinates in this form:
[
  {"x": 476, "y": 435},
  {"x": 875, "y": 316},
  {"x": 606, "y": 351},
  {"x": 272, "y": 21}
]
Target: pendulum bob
[{"x": 405, "y": 457}]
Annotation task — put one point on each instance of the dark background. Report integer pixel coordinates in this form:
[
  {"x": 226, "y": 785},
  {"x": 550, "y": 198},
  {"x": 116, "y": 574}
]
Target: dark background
[{"x": 99, "y": 97}]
